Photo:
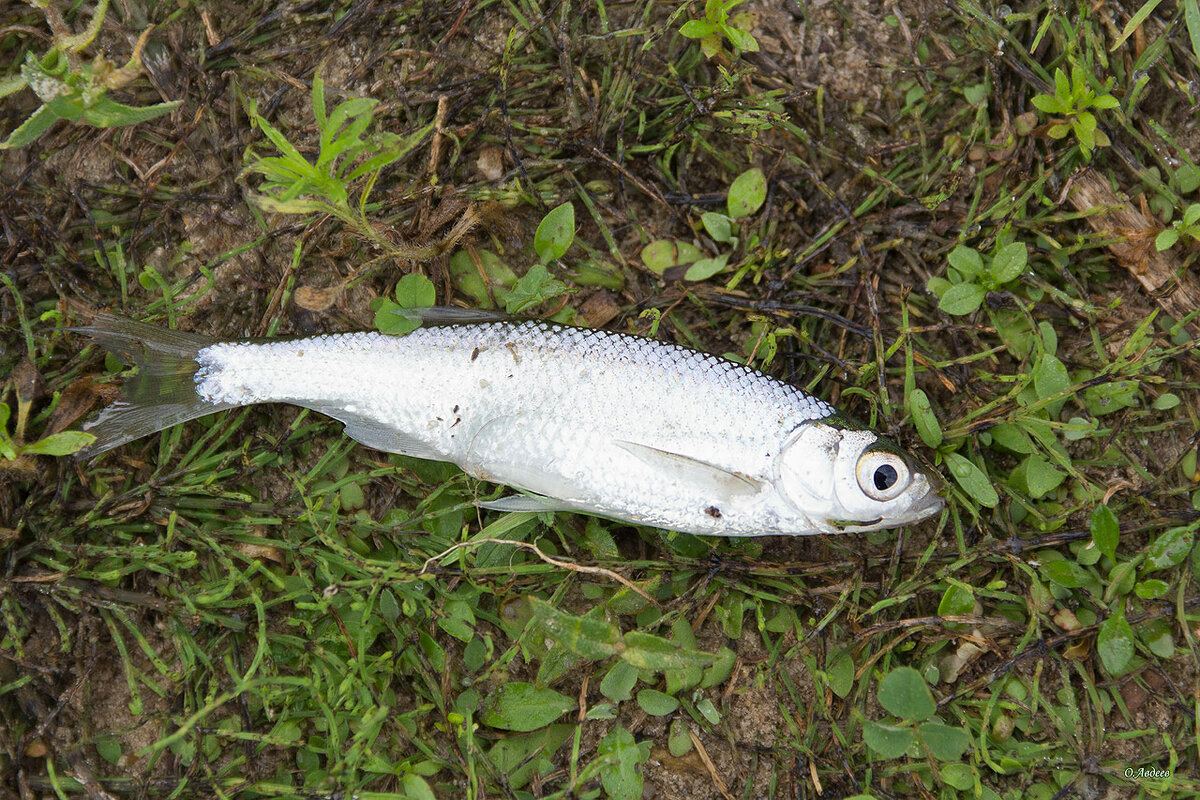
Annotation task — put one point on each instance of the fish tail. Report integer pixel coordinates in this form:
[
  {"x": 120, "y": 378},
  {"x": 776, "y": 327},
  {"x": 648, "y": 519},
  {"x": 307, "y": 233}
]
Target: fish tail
[{"x": 161, "y": 394}]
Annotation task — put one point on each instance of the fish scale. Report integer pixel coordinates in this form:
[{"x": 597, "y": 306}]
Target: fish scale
[{"x": 591, "y": 421}]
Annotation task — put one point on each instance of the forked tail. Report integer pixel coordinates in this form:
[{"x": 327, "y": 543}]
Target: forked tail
[{"x": 161, "y": 394}]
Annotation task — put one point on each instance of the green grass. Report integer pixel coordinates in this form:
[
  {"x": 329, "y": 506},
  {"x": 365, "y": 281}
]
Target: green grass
[{"x": 252, "y": 605}]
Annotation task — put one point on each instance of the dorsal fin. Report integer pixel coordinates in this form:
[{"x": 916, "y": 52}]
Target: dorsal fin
[{"x": 450, "y": 315}]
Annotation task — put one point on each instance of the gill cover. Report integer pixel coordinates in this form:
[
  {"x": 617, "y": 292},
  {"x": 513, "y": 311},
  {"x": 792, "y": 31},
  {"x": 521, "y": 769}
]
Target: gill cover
[{"x": 843, "y": 479}]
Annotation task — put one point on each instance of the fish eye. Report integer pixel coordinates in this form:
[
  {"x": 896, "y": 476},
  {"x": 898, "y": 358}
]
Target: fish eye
[{"x": 882, "y": 476}]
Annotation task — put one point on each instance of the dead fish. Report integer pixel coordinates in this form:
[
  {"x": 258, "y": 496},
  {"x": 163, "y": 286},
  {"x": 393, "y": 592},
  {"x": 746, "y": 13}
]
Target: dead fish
[{"x": 582, "y": 420}]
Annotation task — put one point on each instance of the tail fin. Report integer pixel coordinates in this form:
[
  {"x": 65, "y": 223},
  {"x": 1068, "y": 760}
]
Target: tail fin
[{"x": 162, "y": 394}]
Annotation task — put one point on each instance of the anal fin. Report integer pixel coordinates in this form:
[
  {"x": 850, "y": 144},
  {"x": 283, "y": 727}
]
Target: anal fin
[
  {"x": 375, "y": 434},
  {"x": 527, "y": 502}
]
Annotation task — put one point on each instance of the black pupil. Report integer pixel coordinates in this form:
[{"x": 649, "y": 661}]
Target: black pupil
[{"x": 886, "y": 477}]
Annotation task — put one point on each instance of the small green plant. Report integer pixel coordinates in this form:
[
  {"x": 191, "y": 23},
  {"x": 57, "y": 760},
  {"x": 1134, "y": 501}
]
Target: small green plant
[
  {"x": 973, "y": 275},
  {"x": 73, "y": 90},
  {"x": 1123, "y": 586},
  {"x": 905, "y": 694},
  {"x": 746, "y": 195},
  {"x": 534, "y": 288},
  {"x": 1189, "y": 225},
  {"x": 412, "y": 291},
  {"x": 12, "y": 451},
  {"x": 555, "y": 233},
  {"x": 718, "y": 27},
  {"x": 346, "y": 154},
  {"x": 1070, "y": 103}
]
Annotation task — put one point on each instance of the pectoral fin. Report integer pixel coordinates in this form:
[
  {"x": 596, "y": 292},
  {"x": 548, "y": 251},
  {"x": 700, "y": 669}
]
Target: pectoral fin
[{"x": 714, "y": 480}]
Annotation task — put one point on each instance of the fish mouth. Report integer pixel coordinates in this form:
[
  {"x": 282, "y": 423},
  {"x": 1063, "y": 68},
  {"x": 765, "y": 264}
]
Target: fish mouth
[{"x": 931, "y": 503}]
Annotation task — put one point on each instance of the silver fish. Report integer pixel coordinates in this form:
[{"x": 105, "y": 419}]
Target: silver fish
[{"x": 584, "y": 420}]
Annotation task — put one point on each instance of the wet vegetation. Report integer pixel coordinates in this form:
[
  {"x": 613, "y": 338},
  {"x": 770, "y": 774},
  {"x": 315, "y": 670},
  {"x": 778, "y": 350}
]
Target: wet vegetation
[{"x": 972, "y": 227}]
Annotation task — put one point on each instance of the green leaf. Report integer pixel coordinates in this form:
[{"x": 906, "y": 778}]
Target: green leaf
[
  {"x": 679, "y": 743},
  {"x": 1067, "y": 573},
  {"x": 661, "y": 255},
  {"x": 109, "y": 747},
  {"x": 1156, "y": 634},
  {"x": 1062, "y": 86},
  {"x": 923, "y": 417},
  {"x": 709, "y": 711},
  {"x": 388, "y": 319},
  {"x": 1008, "y": 263},
  {"x": 33, "y": 127},
  {"x": 719, "y": 226},
  {"x": 1120, "y": 579},
  {"x": 1049, "y": 337},
  {"x": 396, "y": 148},
  {"x": 1050, "y": 377},
  {"x": 1036, "y": 476},
  {"x": 1168, "y": 549},
  {"x": 1059, "y": 130},
  {"x": 1191, "y": 13},
  {"x": 747, "y": 193},
  {"x": 521, "y": 707},
  {"x": 956, "y": 601},
  {"x": 417, "y": 788},
  {"x": 647, "y": 651},
  {"x": 1135, "y": 22},
  {"x": 741, "y": 39},
  {"x": 1105, "y": 101},
  {"x": 839, "y": 667},
  {"x": 108, "y": 113},
  {"x": 966, "y": 260},
  {"x": 1114, "y": 643},
  {"x": 656, "y": 703},
  {"x": 1105, "y": 531},
  {"x": 459, "y": 620},
  {"x": 13, "y": 83},
  {"x": 1166, "y": 401},
  {"x": 1151, "y": 588},
  {"x": 590, "y": 637},
  {"x": 59, "y": 444},
  {"x": 620, "y": 777},
  {"x": 705, "y": 268},
  {"x": 972, "y": 480},
  {"x": 1109, "y": 397},
  {"x": 415, "y": 291},
  {"x": 619, "y": 681},
  {"x": 887, "y": 741},
  {"x": 534, "y": 288},
  {"x": 1187, "y": 177},
  {"x": 962, "y": 299},
  {"x": 720, "y": 670},
  {"x": 944, "y": 742},
  {"x": 905, "y": 693},
  {"x": 698, "y": 29},
  {"x": 1085, "y": 130},
  {"x": 1011, "y": 438},
  {"x": 1048, "y": 104},
  {"x": 555, "y": 233},
  {"x": 959, "y": 776}
]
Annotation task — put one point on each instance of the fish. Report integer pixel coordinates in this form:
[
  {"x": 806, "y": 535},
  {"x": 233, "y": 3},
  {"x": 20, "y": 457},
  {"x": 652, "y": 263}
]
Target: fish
[{"x": 580, "y": 420}]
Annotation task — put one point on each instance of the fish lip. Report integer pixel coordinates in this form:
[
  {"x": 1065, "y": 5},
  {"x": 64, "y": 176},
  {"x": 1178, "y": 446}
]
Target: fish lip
[{"x": 929, "y": 504}]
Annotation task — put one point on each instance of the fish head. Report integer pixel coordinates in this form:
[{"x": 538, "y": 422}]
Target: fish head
[{"x": 843, "y": 480}]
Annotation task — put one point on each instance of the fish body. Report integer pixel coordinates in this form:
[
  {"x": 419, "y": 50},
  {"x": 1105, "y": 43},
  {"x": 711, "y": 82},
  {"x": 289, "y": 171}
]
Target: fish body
[{"x": 586, "y": 420}]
